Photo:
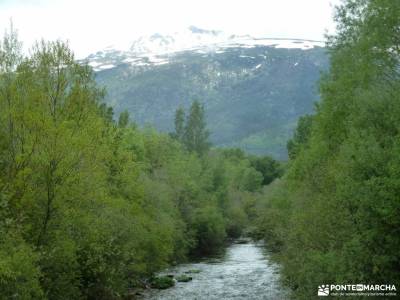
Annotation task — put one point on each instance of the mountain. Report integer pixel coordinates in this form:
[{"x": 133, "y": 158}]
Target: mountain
[{"x": 253, "y": 89}]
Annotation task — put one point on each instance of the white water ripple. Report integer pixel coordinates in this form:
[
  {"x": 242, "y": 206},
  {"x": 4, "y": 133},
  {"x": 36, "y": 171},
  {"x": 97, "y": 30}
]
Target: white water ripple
[{"x": 244, "y": 272}]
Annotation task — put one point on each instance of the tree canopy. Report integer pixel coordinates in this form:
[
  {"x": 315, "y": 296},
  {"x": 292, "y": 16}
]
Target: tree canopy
[
  {"x": 90, "y": 206},
  {"x": 334, "y": 218}
]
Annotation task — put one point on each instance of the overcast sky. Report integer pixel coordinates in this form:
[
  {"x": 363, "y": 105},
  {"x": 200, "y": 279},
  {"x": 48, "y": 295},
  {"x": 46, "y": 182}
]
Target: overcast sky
[{"x": 90, "y": 25}]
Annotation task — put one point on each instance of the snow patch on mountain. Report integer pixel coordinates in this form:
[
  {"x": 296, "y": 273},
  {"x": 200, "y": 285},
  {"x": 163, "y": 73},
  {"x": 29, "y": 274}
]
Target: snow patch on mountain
[
  {"x": 157, "y": 49},
  {"x": 105, "y": 67}
]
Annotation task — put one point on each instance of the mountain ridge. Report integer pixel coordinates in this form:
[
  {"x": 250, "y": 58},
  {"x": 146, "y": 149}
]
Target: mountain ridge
[
  {"x": 253, "y": 89},
  {"x": 157, "y": 48}
]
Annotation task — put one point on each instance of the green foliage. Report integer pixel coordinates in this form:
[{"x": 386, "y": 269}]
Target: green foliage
[
  {"x": 180, "y": 124},
  {"x": 123, "y": 119},
  {"x": 300, "y": 136},
  {"x": 237, "y": 220},
  {"x": 335, "y": 216},
  {"x": 162, "y": 282},
  {"x": 60, "y": 266},
  {"x": 267, "y": 166},
  {"x": 192, "y": 132},
  {"x": 209, "y": 225},
  {"x": 19, "y": 272},
  {"x": 89, "y": 206}
]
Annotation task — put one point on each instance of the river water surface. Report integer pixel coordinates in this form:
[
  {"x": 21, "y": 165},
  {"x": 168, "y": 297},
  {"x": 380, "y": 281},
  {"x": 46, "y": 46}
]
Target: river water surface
[{"x": 244, "y": 271}]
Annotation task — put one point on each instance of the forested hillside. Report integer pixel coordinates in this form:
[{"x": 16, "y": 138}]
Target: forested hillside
[
  {"x": 253, "y": 96},
  {"x": 334, "y": 217},
  {"x": 91, "y": 207}
]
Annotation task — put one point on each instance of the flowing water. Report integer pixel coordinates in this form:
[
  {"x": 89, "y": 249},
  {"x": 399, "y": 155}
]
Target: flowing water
[{"x": 244, "y": 271}]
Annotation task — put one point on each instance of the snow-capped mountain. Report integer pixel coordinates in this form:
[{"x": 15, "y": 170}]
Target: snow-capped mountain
[
  {"x": 253, "y": 88},
  {"x": 158, "y": 48}
]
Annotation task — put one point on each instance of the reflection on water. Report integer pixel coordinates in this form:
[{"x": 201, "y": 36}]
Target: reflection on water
[{"x": 243, "y": 272}]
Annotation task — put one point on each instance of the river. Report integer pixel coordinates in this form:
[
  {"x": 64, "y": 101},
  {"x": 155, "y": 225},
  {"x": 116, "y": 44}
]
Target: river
[{"x": 243, "y": 271}]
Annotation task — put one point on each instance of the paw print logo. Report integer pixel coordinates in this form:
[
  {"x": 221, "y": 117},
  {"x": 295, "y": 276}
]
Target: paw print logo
[{"x": 323, "y": 290}]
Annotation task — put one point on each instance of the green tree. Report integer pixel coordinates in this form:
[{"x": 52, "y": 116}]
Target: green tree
[
  {"x": 267, "y": 166},
  {"x": 196, "y": 134},
  {"x": 342, "y": 184},
  {"x": 123, "y": 119},
  {"x": 210, "y": 229},
  {"x": 300, "y": 137},
  {"x": 180, "y": 124}
]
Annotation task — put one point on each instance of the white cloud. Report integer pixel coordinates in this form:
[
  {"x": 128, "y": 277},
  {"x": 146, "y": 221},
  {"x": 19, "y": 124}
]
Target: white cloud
[{"x": 93, "y": 24}]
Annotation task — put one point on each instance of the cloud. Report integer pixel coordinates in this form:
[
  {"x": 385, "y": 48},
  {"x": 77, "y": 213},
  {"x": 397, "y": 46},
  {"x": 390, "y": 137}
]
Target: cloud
[{"x": 93, "y": 24}]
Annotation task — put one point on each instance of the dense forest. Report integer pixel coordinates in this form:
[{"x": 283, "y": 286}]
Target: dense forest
[
  {"x": 334, "y": 217},
  {"x": 92, "y": 205}
]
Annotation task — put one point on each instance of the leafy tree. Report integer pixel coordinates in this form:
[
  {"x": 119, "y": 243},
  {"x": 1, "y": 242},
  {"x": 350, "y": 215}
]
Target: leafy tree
[
  {"x": 300, "y": 137},
  {"x": 123, "y": 119},
  {"x": 180, "y": 124},
  {"x": 267, "y": 166},
  {"x": 210, "y": 229},
  {"x": 334, "y": 216},
  {"x": 106, "y": 112},
  {"x": 196, "y": 134}
]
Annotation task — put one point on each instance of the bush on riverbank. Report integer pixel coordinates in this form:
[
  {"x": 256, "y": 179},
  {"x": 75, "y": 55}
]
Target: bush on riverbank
[
  {"x": 183, "y": 278},
  {"x": 162, "y": 282}
]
